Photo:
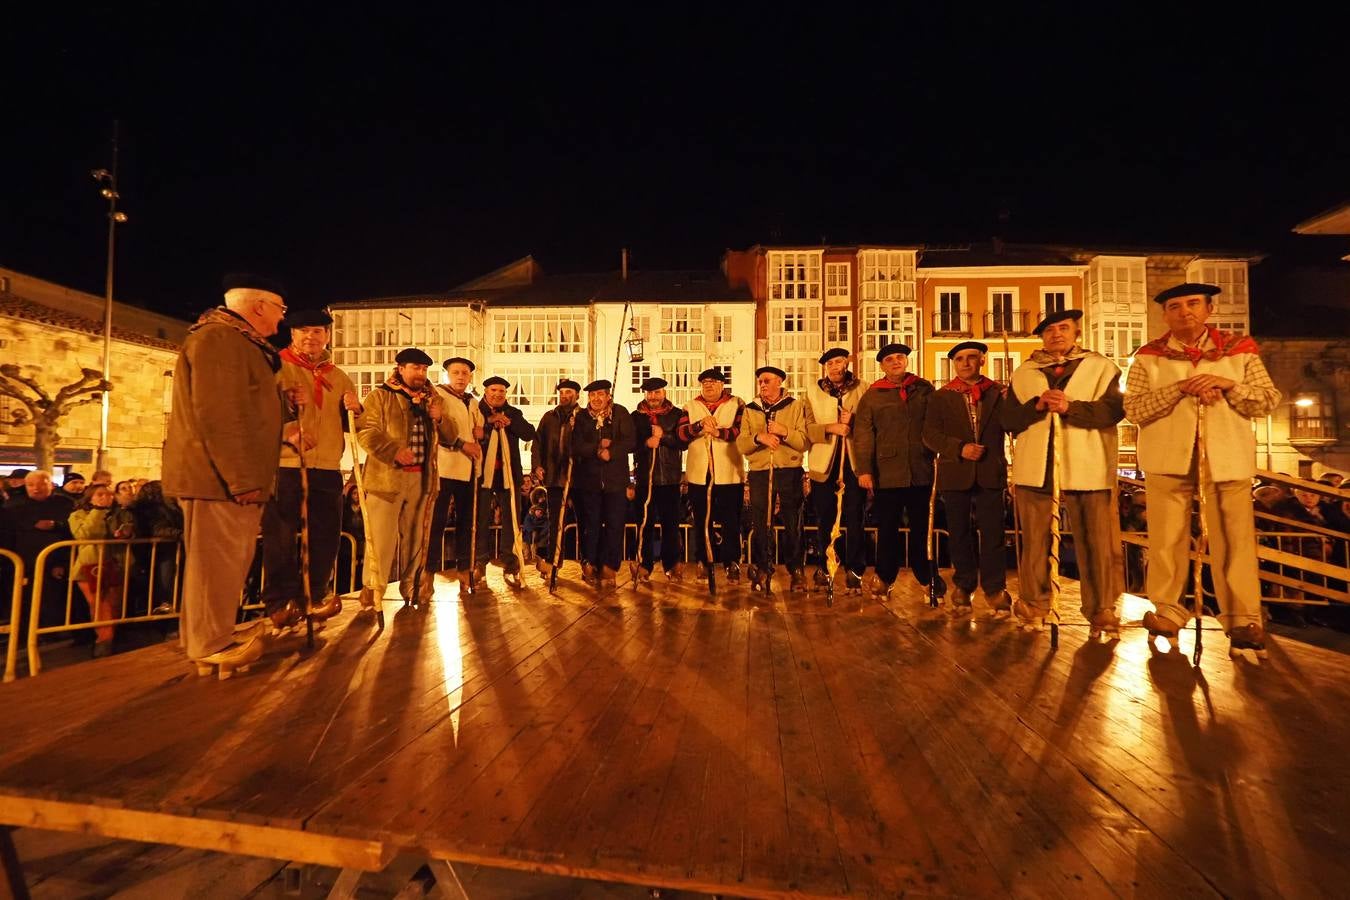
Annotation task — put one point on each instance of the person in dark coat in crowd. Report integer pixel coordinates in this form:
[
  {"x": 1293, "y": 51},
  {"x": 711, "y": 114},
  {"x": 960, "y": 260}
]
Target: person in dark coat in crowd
[
  {"x": 655, "y": 424},
  {"x": 601, "y": 442}
]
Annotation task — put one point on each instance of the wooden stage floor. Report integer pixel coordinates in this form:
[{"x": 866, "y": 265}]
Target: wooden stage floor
[{"x": 748, "y": 747}]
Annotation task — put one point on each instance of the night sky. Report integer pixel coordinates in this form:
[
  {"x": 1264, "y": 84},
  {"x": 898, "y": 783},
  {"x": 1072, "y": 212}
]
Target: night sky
[{"x": 360, "y": 155}]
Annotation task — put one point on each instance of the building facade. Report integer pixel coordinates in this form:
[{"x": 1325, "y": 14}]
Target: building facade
[{"x": 51, "y": 333}]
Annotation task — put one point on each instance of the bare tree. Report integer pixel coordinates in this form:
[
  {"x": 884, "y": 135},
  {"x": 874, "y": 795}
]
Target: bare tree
[{"x": 45, "y": 412}]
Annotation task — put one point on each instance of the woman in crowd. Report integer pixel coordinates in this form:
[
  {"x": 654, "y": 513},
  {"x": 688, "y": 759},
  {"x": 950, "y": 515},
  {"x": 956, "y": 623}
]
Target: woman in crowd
[{"x": 98, "y": 568}]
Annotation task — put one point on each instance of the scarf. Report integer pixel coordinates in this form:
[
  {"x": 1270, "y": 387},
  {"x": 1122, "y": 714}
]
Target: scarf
[
  {"x": 975, "y": 390},
  {"x": 654, "y": 413},
  {"x": 1044, "y": 359},
  {"x": 769, "y": 409},
  {"x": 320, "y": 369},
  {"x": 223, "y": 315},
  {"x": 417, "y": 399},
  {"x": 838, "y": 390},
  {"x": 1223, "y": 345},
  {"x": 906, "y": 386},
  {"x": 712, "y": 407}
]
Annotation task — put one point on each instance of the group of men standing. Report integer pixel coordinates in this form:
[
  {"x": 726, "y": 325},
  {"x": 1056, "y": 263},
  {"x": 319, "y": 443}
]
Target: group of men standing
[{"x": 256, "y": 438}]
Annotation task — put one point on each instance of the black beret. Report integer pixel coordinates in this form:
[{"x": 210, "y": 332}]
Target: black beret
[
  {"x": 602, "y": 384},
  {"x": 412, "y": 356},
  {"x": 496, "y": 379},
  {"x": 459, "y": 359},
  {"x": 893, "y": 348},
  {"x": 74, "y": 476},
  {"x": 308, "y": 318},
  {"x": 253, "y": 282},
  {"x": 1189, "y": 289},
  {"x": 714, "y": 374},
  {"x": 1060, "y": 316},
  {"x": 568, "y": 383},
  {"x": 832, "y": 353},
  {"x": 19, "y": 473},
  {"x": 967, "y": 345},
  {"x": 772, "y": 370},
  {"x": 653, "y": 383}
]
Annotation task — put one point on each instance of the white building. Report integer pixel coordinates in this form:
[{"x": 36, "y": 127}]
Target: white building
[{"x": 534, "y": 330}]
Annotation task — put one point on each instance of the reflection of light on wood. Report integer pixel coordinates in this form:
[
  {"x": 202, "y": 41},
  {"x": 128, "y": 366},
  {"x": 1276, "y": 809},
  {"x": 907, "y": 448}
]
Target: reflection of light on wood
[{"x": 446, "y": 613}]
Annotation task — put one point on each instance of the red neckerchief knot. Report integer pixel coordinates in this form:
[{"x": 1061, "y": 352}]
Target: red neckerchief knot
[
  {"x": 320, "y": 370},
  {"x": 975, "y": 390}
]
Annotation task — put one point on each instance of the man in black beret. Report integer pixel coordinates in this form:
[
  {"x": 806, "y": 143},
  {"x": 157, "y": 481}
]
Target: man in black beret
[
  {"x": 709, "y": 426},
  {"x": 323, "y": 396},
  {"x": 1194, "y": 393},
  {"x": 962, "y": 426},
  {"x": 506, "y": 427},
  {"x": 458, "y": 462},
  {"x": 401, "y": 429},
  {"x": 834, "y": 402},
  {"x": 773, "y": 441},
  {"x": 601, "y": 441},
  {"x": 896, "y": 467},
  {"x": 656, "y": 422},
  {"x": 549, "y": 455},
  {"x": 73, "y": 484},
  {"x": 1083, "y": 388}
]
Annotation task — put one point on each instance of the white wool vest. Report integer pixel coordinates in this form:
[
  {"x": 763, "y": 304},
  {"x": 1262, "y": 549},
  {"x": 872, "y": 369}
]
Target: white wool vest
[
  {"x": 825, "y": 410},
  {"x": 1167, "y": 443},
  {"x": 1089, "y": 460},
  {"x": 452, "y": 463},
  {"x": 728, "y": 464}
]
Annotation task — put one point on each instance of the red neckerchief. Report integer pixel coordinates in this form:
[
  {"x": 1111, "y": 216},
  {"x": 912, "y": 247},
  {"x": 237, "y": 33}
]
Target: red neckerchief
[
  {"x": 654, "y": 414},
  {"x": 975, "y": 390},
  {"x": 1224, "y": 345},
  {"x": 712, "y": 408},
  {"x": 319, "y": 369},
  {"x": 419, "y": 399},
  {"x": 905, "y": 387},
  {"x": 838, "y": 390}
]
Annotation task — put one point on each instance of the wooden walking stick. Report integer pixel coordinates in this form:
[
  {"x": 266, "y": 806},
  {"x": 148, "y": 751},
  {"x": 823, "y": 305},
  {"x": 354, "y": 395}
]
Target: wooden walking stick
[
  {"x": 509, "y": 482},
  {"x": 306, "y": 588},
  {"x": 831, "y": 555},
  {"x": 933, "y": 596},
  {"x": 564, "y": 442},
  {"x": 707, "y": 518},
  {"x": 1012, "y": 446},
  {"x": 646, "y": 505},
  {"x": 432, "y": 483},
  {"x": 1202, "y": 547},
  {"x": 372, "y": 560},
  {"x": 1056, "y": 523},
  {"x": 476, "y": 469}
]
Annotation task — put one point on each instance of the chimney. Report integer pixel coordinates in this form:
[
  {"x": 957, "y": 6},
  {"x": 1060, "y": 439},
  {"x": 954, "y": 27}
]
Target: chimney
[{"x": 623, "y": 255}]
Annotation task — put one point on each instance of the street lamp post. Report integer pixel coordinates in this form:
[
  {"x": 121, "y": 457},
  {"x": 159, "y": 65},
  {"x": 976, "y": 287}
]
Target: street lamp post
[{"x": 108, "y": 179}]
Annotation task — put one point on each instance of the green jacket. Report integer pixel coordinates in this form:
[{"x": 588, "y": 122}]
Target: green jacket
[
  {"x": 383, "y": 428},
  {"x": 888, "y": 434},
  {"x": 792, "y": 414},
  {"x": 95, "y": 524}
]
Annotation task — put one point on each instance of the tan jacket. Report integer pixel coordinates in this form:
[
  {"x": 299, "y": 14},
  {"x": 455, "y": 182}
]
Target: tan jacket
[
  {"x": 453, "y": 462},
  {"x": 326, "y": 423},
  {"x": 825, "y": 411},
  {"x": 383, "y": 429},
  {"x": 225, "y": 424},
  {"x": 792, "y": 414}
]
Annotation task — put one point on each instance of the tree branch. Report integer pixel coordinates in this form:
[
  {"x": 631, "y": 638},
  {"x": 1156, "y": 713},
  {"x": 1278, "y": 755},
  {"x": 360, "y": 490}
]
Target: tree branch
[{"x": 12, "y": 372}]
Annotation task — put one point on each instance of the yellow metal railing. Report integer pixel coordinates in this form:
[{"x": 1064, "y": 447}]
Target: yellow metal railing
[{"x": 10, "y": 629}]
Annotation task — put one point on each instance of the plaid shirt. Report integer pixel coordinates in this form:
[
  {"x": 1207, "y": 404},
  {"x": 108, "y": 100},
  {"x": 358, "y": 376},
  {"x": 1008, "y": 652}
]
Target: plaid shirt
[
  {"x": 1252, "y": 397},
  {"x": 417, "y": 437}
]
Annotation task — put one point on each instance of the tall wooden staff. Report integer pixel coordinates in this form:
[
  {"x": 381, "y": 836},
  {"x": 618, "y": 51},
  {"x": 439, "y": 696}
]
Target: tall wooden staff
[
  {"x": 707, "y": 518},
  {"x": 1056, "y": 523},
  {"x": 646, "y": 505},
  {"x": 432, "y": 482},
  {"x": 1197, "y": 582},
  {"x": 509, "y": 482},
  {"x": 564, "y": 439},
  {"x": 933, "y": 597},
  {"x": 306, "y": 588},
  {"x": 372, "y": 560},
  {"x": 1012, "y": 441}
]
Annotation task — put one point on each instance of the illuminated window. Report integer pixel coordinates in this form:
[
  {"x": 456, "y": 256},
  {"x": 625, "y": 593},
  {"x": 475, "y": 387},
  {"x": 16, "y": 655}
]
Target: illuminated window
[
  {"x": 681, "y": 375},
  {"x": 887, "y": 275},
  {"x": 838, "y": 328},
  {"x": 950, "y": 316},
  {"x": 885, "y": 323},
  {"x": 837, "y": 288},
  {"x": 1312, "y": 417},
  {"x": 543, "y": 331},
  {"x": 1055, "y": 300},
  {"x": 640, "y": 374},
  {"x": 1002, "y": 316},
  {"x": 794, "y": 276},
  {"x": 722, "y": 329},
  {"x": 681, "y": 328}
]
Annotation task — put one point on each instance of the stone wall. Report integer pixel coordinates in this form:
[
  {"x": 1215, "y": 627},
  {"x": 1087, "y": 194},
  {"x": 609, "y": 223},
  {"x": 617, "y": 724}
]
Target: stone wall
[{"x": 139, "y": 400}]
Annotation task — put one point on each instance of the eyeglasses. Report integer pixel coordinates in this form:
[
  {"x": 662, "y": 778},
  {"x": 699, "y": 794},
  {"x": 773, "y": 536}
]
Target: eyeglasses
[{"x": 280, "y": 306}]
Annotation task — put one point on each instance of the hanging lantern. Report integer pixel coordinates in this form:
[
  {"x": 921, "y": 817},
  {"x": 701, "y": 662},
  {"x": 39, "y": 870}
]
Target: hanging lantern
[{"x": 634, "y": 345}]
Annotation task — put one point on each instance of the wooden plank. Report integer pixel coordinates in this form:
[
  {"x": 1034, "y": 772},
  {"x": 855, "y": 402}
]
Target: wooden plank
[{"x": 225, "y": 837}]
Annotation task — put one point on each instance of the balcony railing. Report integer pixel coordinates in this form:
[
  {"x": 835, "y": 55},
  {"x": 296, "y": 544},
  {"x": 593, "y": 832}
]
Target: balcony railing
[
  {"x": 1013, "y": 322},
  {"x": 952, "y": 324}
]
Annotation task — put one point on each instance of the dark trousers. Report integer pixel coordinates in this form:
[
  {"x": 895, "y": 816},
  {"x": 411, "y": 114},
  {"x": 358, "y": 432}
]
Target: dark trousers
[
  {"x": 787, "y": 487},
  {"x": 665, "y": 509},
  {"x": 991, "y": 571},
  {"x": 507, "y": 539},
  {"x": 726, "y": 512},
  {"x": 280, "y": 525},
  {"x": 602, "y": 514},
  {"x": 852, "y": 544},
  {"x": 888, "y": 506},
  {"x": 462, "y": 493}
]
